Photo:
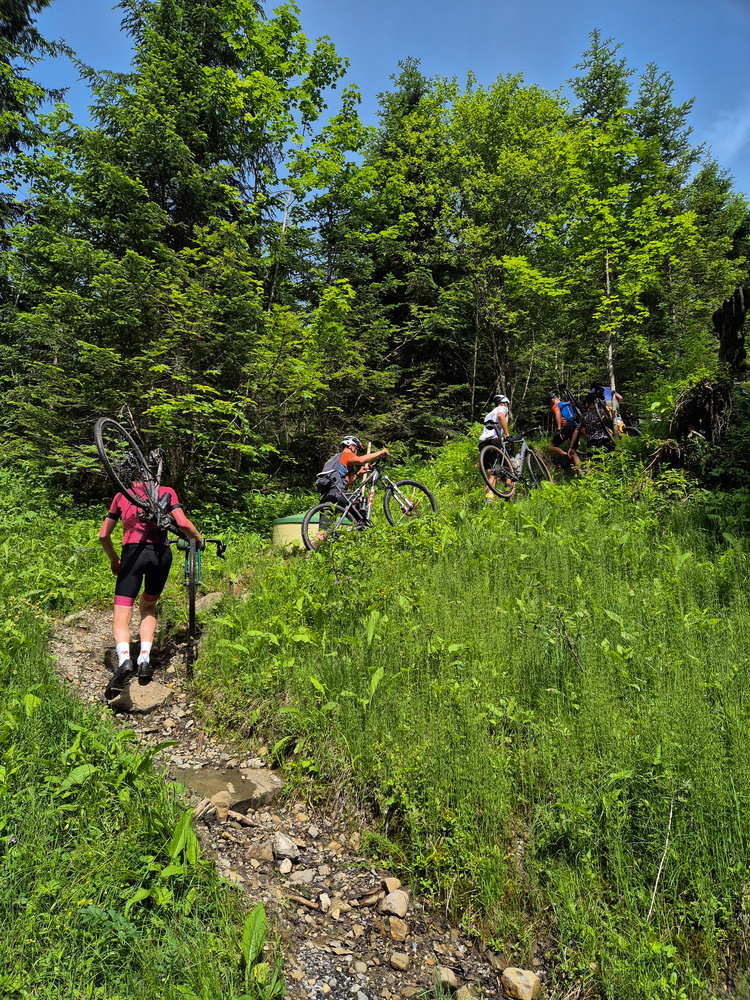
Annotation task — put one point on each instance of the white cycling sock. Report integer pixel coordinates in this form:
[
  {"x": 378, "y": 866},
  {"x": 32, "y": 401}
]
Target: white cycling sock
[
  {"x": 123, "y": 652},
  {"x": 145, "y": 654}
]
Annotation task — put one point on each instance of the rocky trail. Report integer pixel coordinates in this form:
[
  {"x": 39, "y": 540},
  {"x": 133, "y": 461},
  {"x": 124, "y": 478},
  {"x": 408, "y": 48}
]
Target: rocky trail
[{"x": 347, "y": 929}]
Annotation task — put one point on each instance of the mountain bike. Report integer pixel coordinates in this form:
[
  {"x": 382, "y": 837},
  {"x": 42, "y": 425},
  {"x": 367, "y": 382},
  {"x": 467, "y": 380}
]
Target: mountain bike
[
  {"x": 139, "y": 480},
  {"x": 404, "y": 500},
  {"x": 136, "y": 478},
  {"x": 509, "y": 475}
]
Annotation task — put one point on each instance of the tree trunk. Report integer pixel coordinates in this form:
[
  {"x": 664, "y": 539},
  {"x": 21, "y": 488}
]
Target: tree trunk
[
  {"x": 611, "y": 359},
  {"x": 728, "y": 323}
]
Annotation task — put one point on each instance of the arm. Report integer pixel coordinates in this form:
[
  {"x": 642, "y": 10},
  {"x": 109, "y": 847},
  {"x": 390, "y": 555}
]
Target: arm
[
  {"x": 503, "y": 421},
  {"x": 187, "y": 527},
  {"x": 359, "y": 460},
  {"x": 105, "y": 533}
]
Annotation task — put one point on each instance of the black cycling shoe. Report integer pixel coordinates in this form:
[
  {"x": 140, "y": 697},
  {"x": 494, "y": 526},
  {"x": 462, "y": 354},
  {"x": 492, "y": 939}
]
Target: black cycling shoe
[
  {"x": 122, "y": 676},
  {"x": 145, "y": 672}
]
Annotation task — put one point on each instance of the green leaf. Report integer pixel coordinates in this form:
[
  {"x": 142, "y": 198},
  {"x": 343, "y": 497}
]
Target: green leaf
[
  {"x": 78, "y": 776},
  {"x": 376, "y": 679},
  {"x": 140, "y": 894},
  {"x": 254, "y": 934},
  {"x": 180, "y": 835}
]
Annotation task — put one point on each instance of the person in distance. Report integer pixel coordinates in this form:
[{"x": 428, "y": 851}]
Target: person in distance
[{"x": 495, "y": 426}]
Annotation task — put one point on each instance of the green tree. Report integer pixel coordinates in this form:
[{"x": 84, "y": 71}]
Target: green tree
[{"x": 140, "y": 279}]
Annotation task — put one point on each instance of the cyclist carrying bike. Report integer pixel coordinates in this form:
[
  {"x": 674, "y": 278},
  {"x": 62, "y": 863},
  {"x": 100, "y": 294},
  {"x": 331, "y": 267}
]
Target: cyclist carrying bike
[
  {"x": 566, "y": 419},
  {"x": 496, "y": 420},
  {"x": 145, "y": 559},
  {"x": 593, "y": 427}
]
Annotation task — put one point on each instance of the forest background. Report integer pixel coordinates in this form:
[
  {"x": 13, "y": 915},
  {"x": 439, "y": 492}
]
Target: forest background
[{"x": 244, "y": 275}]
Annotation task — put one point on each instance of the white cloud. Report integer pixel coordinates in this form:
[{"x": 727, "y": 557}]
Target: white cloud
[{"x": 729, "y": 133}]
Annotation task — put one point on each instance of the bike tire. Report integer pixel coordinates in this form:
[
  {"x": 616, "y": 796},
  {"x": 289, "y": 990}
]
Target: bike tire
[
  {"x": 535, "y": 473},
  {"x": 333, "y": 512},
  {"x": 493, "y": 462},
  {"x": 124, "y": 463},
  {"x": 414, "y": 503},
  {"x": 628, "y": 431},
  {"x": 192, "y": 582}
]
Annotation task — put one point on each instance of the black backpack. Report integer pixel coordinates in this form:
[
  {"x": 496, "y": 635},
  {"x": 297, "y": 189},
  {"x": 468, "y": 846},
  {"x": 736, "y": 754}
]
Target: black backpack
[{"x": 329, "y": 478}]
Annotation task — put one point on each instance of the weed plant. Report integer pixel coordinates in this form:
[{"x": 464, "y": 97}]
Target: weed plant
[{"x": 546, "y": 704}]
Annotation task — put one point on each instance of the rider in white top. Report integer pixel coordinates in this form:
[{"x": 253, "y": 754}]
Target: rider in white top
[{"x": 497, "y": 416}]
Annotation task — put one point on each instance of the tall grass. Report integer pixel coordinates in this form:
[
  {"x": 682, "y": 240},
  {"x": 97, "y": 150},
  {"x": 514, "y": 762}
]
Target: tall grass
[{"x": 546, "y": 703}]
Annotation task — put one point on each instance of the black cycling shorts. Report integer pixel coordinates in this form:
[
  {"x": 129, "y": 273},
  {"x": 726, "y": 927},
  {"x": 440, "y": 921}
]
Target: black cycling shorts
[
  {"x": 564, "y": 434},
  {"x": 142, "y": 563},
  {"x": 483, "y": 444}
]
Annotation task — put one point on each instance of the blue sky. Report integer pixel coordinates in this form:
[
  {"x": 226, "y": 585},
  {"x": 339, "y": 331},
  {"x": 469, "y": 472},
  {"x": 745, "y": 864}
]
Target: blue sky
[{"x": 702, "y": 43}]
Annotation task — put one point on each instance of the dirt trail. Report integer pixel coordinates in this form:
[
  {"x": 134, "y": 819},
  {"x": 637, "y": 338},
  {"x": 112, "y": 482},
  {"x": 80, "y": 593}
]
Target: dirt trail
[{"x": 335, "y": 913}]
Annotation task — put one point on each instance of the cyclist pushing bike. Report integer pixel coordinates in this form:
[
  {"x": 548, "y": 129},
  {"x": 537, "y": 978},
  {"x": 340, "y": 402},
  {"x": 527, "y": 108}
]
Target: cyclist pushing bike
[
  {"x": 145, "y": 560},
  {"x": 344, "y": 511},
  {"x": 340, "y": 472}
]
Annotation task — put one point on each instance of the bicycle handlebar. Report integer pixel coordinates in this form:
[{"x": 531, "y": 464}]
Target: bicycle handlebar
[
  {"x": 183, "y": 545},
  {"x": 523, "y": 434}
]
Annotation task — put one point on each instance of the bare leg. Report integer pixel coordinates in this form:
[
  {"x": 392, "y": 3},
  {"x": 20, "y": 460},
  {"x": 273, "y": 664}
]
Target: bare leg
[
  {"x": 148, "y": 618},
  {"x": 121, "y": 623}
]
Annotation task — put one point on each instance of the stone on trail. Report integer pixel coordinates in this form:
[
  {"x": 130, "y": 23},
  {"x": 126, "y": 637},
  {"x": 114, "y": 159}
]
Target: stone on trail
[
  {"x": 521, "y": 984},
  {"x": 222, "y": 799},
  {"x": 448, "y": 977},
  {"x": 304, "y": 876},
  {"x": 395, "y": 903},
  {"x": 261, "y": 852},
  {"x": 208, "y": 601},
  {"x": 140, "y": 699},
  {"x": 391, "y": 884},
  {"x": 285, "y": 867},
  {"x": 284, "y": 847},
  {"x": 360, "y": 968},
  {"x": 399, "y": 929},
  {"x": 469, "y": 992},
  {"x": 399, "y": 961}
]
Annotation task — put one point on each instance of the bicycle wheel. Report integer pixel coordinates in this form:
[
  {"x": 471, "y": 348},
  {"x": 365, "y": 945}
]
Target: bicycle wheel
[
  {"x": 335, "y": 522},
  {"x": 124, "y": 463},
  {"x": 497, "y": 471},
  {"x": 192, "y": 585},
  {"x": 408, "y": 500},
  {"x": 631, "y": 432},
  {"x": 534, "y": 474}
]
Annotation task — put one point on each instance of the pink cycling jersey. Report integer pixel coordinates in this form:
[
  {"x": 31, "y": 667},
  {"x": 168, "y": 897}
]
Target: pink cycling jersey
[{"x": 136, "y": 530}]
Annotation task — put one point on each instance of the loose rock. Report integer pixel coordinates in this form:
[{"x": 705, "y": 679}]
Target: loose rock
[
  {"x": 285, "y": 867},
  {"x": 284, "y": 847},
  {"x": 521, "y": 984},
  {"x": 395, "y": 903},
  {"x": 399, "y": 929},
  {"x": 448, "y": 977},
  {"x": 399, "y": 961}
]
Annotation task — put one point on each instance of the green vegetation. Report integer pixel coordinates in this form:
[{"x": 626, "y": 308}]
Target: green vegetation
[{"x": 532, "y": 698}]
